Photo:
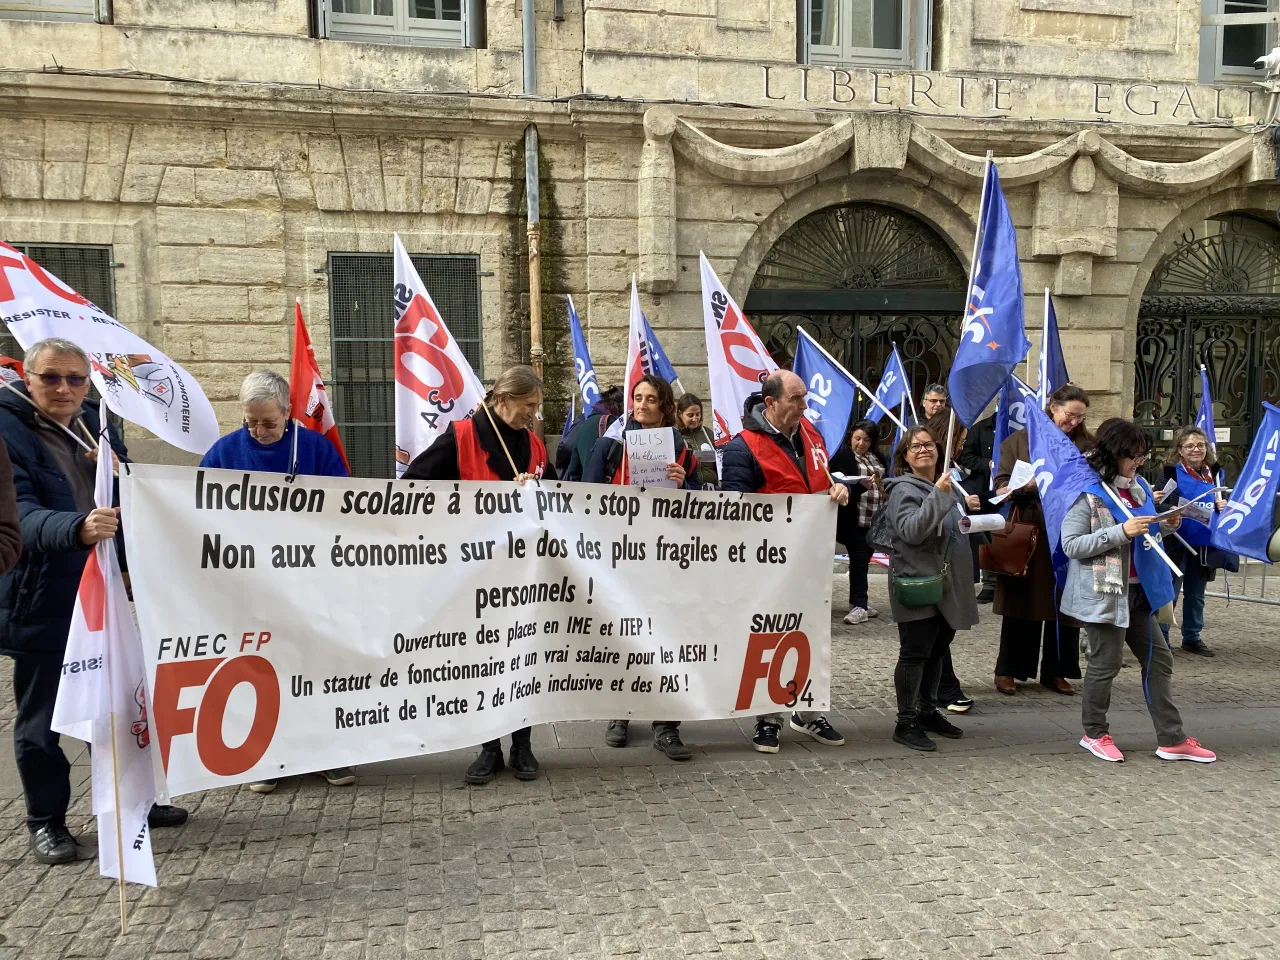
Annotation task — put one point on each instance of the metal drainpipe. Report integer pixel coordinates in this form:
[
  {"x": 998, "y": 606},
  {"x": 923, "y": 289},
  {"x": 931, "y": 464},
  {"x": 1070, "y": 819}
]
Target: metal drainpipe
[{"x": 531, "y": 193}]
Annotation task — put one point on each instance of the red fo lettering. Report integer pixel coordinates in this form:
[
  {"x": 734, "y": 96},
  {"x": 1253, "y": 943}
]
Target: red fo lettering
[{"x": 754, "y": 669}]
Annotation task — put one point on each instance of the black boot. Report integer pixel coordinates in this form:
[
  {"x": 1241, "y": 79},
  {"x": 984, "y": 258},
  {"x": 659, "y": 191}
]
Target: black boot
[
  {"x": 523, "y": 763},
  {"x": 910, "y": 735},
  {"x": 486, "y": 766},
  {"x": 163, "y": 815},
  {"x": 937, "y": 723}
]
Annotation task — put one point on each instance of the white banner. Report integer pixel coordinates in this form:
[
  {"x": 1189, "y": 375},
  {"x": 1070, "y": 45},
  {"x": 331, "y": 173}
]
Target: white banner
[
  {"x": 737, "y": 361},
  {"x": 294, "y": 627},
  {"x": 138, "y": 381},
  {"x": 435, "y": 384}
]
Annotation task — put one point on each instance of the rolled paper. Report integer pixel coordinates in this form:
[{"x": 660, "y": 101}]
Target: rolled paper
[{"x": 982, "y": 523}]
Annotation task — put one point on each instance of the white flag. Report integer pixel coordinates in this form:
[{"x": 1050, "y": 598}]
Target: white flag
[
  {"x": 737, "y": 362},
  {"x": 139, "y": 382},
  {"x": 103, "y": 680},
  {"x": 434, "y": 383}
]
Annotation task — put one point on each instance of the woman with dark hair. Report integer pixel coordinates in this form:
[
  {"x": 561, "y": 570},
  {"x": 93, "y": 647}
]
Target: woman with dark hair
[
  {"x": 1195, "y": 470},
  {"x": 1029, "y": 604},
  {"x": 698, "y": 438},
  {"x": 652, "y": 406},
  {"x": 1117, "y": 587},
  {"x": 927, "y": 542},
  {"x": 858, "y": 458}
]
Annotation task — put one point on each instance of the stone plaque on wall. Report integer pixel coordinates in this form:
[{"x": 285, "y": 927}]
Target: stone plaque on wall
[{"x": 1088, "y": 359}]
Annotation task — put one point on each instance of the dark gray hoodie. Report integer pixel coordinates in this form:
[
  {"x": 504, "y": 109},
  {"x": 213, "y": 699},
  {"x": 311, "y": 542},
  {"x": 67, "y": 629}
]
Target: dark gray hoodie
[{"x": 922, "y": 517}]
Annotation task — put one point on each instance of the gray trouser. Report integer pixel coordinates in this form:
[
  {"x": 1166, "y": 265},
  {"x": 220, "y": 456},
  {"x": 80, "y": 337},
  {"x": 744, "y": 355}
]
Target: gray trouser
[
  {"x": 780, "y": 719},
  {"x": 1105, "y": 648}
]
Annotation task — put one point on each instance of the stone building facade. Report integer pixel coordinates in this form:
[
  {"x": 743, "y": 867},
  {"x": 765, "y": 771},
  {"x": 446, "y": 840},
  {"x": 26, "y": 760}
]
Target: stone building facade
[{"x": 221, "y": 158}]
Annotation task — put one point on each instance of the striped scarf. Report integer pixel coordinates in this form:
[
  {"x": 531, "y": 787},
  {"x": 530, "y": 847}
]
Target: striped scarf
[
  {"x": 1109, "y": 573},
  {"x": 873, "y": 499}
]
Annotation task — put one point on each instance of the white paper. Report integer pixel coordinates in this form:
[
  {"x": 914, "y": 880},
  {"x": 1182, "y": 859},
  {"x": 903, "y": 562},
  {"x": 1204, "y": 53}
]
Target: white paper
[
  {"x": 1023, "y": 473},
  {"x": 982, "y": 523},
  {"x": 648, "y": 453},
  {"x": 1169, "y": 487}
]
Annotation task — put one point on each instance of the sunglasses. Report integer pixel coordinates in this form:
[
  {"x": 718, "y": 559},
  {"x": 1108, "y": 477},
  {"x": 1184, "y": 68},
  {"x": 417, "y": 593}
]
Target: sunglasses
[{"x": 53, "y": 379}]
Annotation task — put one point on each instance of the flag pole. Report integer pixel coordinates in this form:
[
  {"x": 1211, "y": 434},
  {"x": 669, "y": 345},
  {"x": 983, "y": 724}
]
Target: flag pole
[
  {"x": 1212, "y": 441},
  {"x": 1044, "y": 356},
  {"x": 856, "y": 382},
  {"x": 498, "y": 433},
  {"x": 115, "y": 786},
  {"x": 1151, "y": 541},
  {"x": 907, "y": 392}
]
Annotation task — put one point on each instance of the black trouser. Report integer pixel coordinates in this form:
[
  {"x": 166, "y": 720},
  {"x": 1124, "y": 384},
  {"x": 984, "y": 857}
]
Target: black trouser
[
  {"x": 949, "y": 690},
  {"x": 1020, "y": 646},
  {"x": 922, "y": 644},
  {"x": 517, "y": 736},
  {"x": 859, "y": 560},
  {"x": 42, "y": 766}
]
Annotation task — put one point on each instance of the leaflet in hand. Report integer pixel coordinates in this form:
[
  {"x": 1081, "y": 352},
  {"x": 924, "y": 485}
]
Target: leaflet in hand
[
  {"x": 1023, "y": 473},
  {"x": 1197, "y": 509}
]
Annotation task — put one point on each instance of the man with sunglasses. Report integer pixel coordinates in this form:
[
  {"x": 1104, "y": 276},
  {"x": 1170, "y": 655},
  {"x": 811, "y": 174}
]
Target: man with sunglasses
[{"x": 54, "y": 481}]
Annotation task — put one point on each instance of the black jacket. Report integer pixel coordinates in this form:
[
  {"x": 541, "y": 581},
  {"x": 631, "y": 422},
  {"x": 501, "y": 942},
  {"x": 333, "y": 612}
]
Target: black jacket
[
  {"x": 38, "y": 595},
  {"x": 977, "y": 454},
  {"x": 440, "y": 460}
]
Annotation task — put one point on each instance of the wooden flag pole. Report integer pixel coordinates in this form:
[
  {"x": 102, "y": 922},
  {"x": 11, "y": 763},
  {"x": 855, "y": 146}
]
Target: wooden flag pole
[
  {"x": 498, "y": 433},
  {"x": 115, "y": 786},
  {"x": 1151, "y": 541}
]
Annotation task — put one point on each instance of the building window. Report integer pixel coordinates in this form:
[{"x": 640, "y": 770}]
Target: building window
[
  {"x": 1229, "y": 51},
  {"x": 862, "y": 33},
  {"x": 85, "y": 269},
  {"x": 50, "y": 10},
  {"x": 438, "y": 23},
  {"x": 362, "y": 321}
]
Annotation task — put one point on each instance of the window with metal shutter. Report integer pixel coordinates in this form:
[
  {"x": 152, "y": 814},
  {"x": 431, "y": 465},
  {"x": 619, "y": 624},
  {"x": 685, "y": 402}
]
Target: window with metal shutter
[{"x": 362, "y": 321}]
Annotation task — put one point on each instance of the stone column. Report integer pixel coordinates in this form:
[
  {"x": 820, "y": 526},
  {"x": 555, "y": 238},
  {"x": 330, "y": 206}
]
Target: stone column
[{"x": 657, "y": 203}]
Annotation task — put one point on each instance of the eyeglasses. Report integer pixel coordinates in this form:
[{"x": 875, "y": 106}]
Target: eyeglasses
[
  {"x": 1194, "y": 446},
  {"x": 264, "y": 424},
  {"x": 1073, "y": 418},
  {"x": 921, "y": 447},
  {"x": 74, "y": 380},
  {"x": 1140, "y": 459}
]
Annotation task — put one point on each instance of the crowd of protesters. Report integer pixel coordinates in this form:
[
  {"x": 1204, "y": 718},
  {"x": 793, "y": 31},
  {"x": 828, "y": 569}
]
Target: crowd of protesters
[{"x": 903, "y": 500}]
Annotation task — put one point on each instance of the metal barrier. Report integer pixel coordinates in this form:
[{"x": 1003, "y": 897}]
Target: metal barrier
[{"x": 1250, "y": 585}]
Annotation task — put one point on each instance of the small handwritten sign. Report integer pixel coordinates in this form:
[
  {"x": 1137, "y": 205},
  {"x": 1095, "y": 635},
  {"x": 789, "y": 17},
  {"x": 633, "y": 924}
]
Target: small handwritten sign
[{"x": 648, "y": 453}]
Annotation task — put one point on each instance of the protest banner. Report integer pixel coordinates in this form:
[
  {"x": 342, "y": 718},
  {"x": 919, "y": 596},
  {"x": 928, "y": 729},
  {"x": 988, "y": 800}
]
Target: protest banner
[{"x": 329, "y": 622}]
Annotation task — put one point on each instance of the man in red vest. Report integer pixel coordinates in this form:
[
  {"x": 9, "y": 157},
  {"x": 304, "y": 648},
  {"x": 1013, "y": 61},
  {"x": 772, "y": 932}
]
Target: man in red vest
[{"x": 779, "y": 451}]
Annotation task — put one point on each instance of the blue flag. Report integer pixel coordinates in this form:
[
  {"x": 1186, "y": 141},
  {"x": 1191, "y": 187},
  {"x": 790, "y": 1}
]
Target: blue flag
[
  {"x": 1061, "y": 473},
  {"x": 570, "y": 420},
  {"x": 583, "y": 371},
  {"x": 829, "y": 402},
  {"x": 1245, "y": 524},
  {"x": 1053, "y": 365},
  {"x": 653, "y": 358},
  {"x": 893, "y": 386},
  {"x": 992, "y": 340},
  {"x": 1011, "y": 416},
  {"x": 1204, "y": 418}
]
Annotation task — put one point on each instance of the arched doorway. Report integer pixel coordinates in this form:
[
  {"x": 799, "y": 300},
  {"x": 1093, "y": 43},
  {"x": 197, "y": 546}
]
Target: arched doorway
[
  {"x": 860, "y": 277},
  {"x": 1213, "y": 300}
]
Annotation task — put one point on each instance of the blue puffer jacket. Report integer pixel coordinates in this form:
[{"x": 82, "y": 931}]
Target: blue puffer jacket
[{"x": 38, "y": 596}]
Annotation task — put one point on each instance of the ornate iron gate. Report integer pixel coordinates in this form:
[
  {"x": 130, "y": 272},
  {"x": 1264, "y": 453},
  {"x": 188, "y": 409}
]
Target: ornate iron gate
[
  {"x": 1215, "y": 300},
  {"x": 859, "y": 278}
]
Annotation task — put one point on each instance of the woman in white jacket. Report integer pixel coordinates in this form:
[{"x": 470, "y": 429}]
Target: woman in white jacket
[{"x": 1116, "y": 584}]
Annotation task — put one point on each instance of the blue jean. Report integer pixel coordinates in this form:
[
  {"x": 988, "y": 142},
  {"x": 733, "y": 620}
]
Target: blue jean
[{"x": 1191, "y": 586}]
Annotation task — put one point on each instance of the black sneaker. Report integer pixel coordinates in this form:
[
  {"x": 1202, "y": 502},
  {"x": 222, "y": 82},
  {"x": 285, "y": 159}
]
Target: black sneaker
[
  {"x": 960, "y": 705},
  {"x": 616, "y": 735},
  {"x": 987, "y": 594},
  {"x": 522, "y": 761},
  {"x": 937, "y": 723},
  {"x": 486, "y": 766},
  {"x": 52, "y": 844},
  {"x": 912, "y": 736},
  {"x": 1199, "y": 649},
  {"x": 163, "y": 815},
  {"x": 766, "y": 738},
  {"x": 819, "y": 729},
  {"x": 669, "y": 742}
]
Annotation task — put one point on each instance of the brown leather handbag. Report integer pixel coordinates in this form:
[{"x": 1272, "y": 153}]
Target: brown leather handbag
[{"x": 1010, "y": 550}]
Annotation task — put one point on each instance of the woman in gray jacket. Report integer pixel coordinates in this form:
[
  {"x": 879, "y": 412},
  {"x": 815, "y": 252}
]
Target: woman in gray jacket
[
  {"x": 924, "y": 512},
  {"x": 1111, "y": 588}
]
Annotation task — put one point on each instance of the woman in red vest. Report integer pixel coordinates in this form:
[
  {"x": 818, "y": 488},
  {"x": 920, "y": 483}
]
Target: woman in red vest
[
  {"x": 653, "y": 405},
  {"x": 477, "y": 449}
]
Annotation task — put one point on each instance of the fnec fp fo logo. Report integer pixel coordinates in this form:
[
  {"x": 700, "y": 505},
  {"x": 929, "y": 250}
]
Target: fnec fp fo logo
[
  {"x": 216, "y": 678},
  {"x": 769, "y": 658}
]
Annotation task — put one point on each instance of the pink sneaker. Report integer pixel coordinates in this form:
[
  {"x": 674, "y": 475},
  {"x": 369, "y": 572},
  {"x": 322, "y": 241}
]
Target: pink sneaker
[
  {"x": 1104, "y": 748},
  {"x": 1188, "y": 749}
]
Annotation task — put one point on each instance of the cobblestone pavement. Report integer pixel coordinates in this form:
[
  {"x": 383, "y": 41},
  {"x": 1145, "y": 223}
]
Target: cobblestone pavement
[{"x": 1012, "y": 842}]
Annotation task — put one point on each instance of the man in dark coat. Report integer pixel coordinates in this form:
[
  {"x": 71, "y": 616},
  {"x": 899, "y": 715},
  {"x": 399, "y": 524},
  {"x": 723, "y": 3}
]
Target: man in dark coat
[
  {"x": 10, "y": 531},
  {"x": 976, "y": 457},
  {"x": 54, "y": 482}
]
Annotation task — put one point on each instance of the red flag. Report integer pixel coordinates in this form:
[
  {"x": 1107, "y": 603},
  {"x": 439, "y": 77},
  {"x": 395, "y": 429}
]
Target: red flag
[{"x": 307, "y": 395}]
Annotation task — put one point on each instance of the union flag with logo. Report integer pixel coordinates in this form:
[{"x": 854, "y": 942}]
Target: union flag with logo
[{"x": 307, "y": 394}]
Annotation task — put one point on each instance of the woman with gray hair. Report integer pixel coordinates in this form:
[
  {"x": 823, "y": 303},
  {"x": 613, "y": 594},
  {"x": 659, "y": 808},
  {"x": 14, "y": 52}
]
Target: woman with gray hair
[{"x": 268, "y": 441}]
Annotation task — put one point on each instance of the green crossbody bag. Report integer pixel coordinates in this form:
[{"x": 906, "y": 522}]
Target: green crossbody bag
[{"x": 923, "y": 591}]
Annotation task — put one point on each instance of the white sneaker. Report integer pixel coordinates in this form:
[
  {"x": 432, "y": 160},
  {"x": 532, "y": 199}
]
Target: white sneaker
[
  {"x": 855, "y": 616},
  {"x": 872, "y": 611}
]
